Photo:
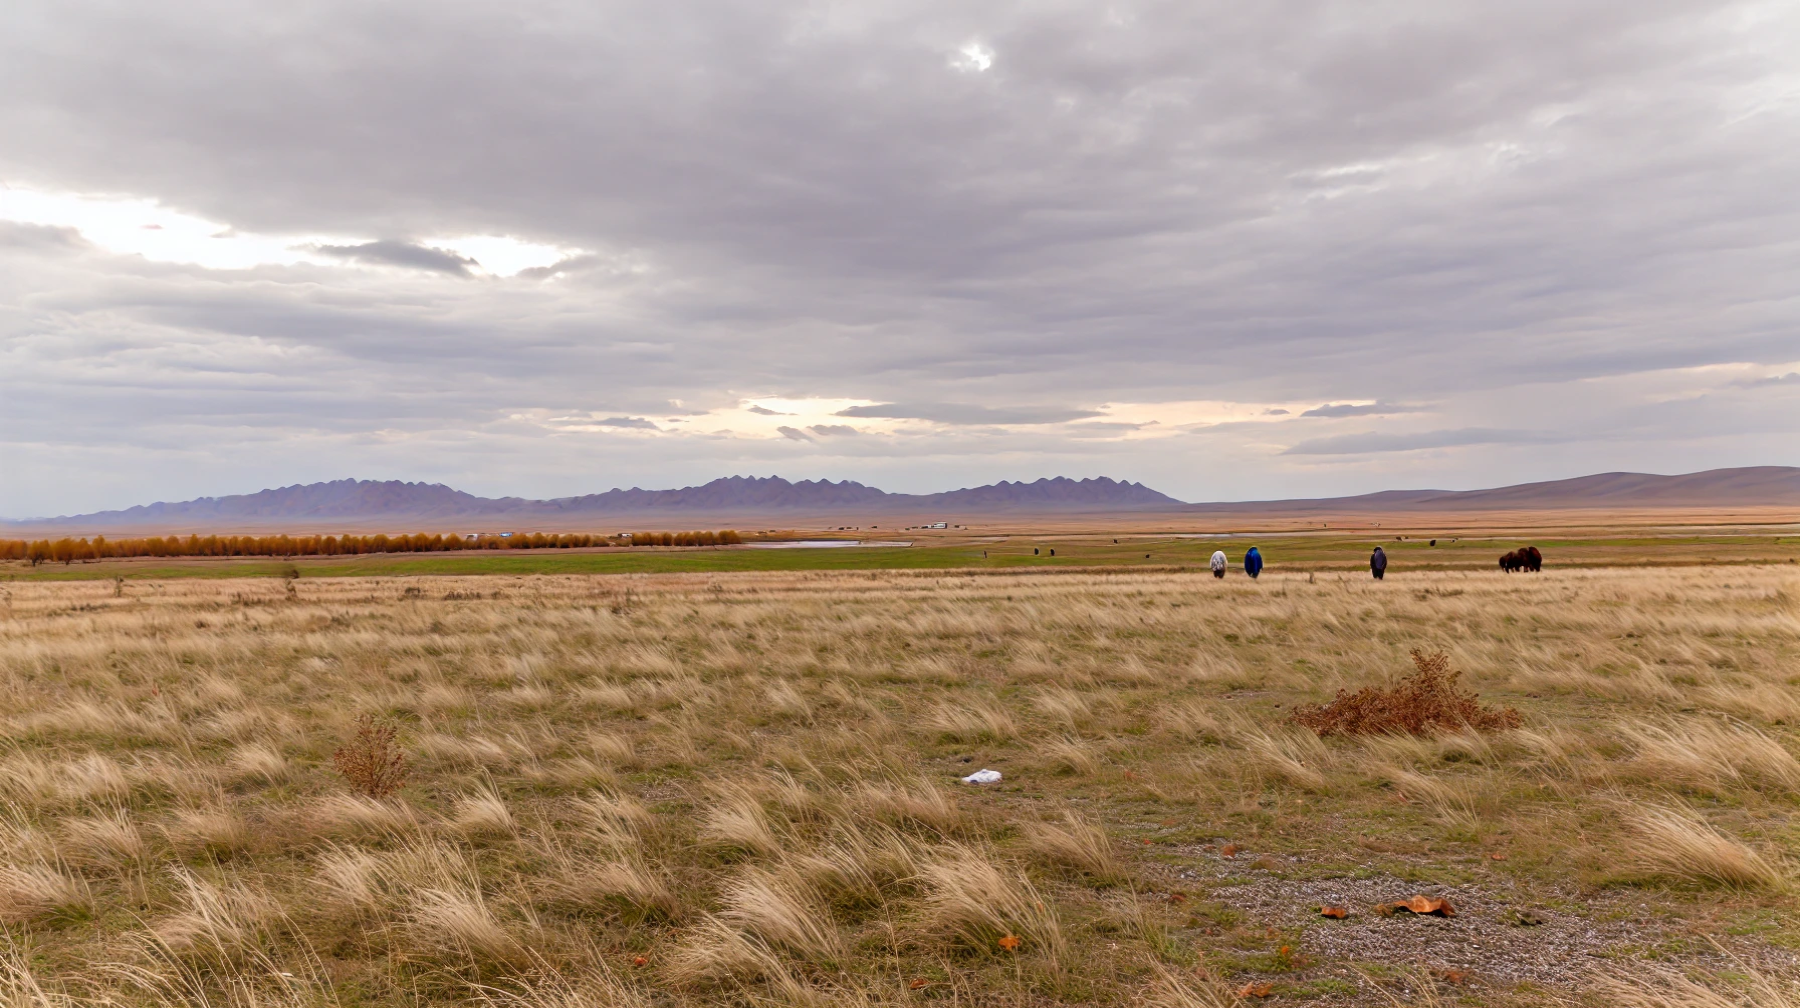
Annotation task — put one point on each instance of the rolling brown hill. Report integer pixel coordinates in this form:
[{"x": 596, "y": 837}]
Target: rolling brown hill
[{"x": 1753, "y": 486}]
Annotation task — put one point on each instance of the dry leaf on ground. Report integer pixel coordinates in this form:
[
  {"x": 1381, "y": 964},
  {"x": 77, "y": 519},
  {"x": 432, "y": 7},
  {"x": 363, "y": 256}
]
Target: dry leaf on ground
[{"x": 1419, "y": 905}]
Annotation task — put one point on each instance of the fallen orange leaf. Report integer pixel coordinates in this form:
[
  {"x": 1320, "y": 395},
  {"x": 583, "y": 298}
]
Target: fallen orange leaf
[
  {"x": 1229, "y": 850},
  {"x": 1454, "y": 976},
  {"x": 1419, "y": 905},
  {"x": 1498, "y": 855},
  {"x": 1010, "y": 943},
  {"x": 1431, "y": 905},
  {"x": 1334, "y": 911},
  {"x": 916, "y": 984},
  {"x": 1260, "y": 990},
  {"x": 639, "y": 961},
  {"x": 1178, "y": 897}
]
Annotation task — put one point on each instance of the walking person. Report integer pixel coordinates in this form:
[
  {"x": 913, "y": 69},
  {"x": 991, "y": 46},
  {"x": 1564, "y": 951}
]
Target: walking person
[
  {"x": 1253, "y": 562},
  {"x": 1378, "y": 563},
  {"x": 1218, "y": 563}
]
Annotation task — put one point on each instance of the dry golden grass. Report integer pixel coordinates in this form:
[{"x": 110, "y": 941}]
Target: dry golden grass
[
  {"x": 1678, "y": 843},
  {"x": 742, "y": 789},
  {"x": 1078, "y": 844}
]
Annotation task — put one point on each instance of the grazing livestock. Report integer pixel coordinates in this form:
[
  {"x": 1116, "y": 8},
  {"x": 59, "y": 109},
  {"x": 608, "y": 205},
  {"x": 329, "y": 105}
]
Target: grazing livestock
[{"x": 1525, "y": 558}]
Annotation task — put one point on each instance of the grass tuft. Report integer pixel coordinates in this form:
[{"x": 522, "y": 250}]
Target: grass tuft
[{"x": 1676, "y": 843}]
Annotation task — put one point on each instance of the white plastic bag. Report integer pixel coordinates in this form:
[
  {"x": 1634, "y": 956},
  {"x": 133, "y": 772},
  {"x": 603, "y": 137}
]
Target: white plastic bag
[{"x": 982, "y": 777}]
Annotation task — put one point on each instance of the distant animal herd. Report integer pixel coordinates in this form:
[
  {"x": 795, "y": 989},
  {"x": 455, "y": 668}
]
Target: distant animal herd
[{"x": 1526, "y": 558}]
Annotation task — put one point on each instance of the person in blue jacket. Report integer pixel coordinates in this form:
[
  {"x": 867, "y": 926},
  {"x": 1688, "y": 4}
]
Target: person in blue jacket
[{"x": 1253, "y": 562}]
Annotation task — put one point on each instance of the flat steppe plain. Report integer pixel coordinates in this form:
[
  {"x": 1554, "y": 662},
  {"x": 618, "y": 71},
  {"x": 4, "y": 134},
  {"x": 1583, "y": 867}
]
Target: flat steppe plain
[
  {"x": 1665, "y": 537},
  {"x": 731, "y": 788}
]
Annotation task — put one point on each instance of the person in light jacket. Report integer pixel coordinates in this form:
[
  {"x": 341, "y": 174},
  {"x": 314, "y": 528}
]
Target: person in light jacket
[
  {"x": 1378, "y": 563},
  {"x": 1218, "y": 563},
  {"x": 1253, "y": 562}
]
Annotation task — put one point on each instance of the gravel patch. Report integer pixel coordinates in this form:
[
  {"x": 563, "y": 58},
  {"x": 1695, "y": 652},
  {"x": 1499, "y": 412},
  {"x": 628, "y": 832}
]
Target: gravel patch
[{"x": 1487, "y": 941}]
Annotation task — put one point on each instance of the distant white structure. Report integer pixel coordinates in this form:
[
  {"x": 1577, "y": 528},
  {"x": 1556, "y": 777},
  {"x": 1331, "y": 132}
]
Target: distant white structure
[{"x": 939, "y": 525}]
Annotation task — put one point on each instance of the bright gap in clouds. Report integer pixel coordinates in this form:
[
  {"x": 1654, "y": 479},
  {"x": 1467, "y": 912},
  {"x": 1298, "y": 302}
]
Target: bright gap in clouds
[
  {"x": 144, "y": 227},
  {"x": 778, "y": 418},
  {"x": 975, "y": 57}
]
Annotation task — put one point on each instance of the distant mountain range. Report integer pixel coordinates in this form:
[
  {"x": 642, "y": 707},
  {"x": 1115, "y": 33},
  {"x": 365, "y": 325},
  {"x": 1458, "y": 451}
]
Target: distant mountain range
[
  {"x": 736, "y": 498},
  {"x": 393, "y": 500}
]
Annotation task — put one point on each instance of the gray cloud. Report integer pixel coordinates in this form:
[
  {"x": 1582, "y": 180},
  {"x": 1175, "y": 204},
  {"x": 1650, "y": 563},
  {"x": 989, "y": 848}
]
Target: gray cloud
[
  {"x": 636, "y": 423},
  {"x": 573, "y": 264},
  {"x": 765, "y": 411},
  {"x": 41, "y": 238},
  {"x": 1373, "y": 442},
  {"x": 398, "y": 253},
  {"x": 963, "y": 413},
  {"x": 833, "y": 430},
  {"x": 1349, "y": 410},
  {"x": 1538, "y": 215},
  {"x": 793, "y": 434},
  {"x": 1791, "y": 378}
]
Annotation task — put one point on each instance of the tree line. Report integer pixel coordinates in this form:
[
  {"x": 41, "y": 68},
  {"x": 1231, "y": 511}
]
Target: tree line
[{"x": 67, "y": 550}]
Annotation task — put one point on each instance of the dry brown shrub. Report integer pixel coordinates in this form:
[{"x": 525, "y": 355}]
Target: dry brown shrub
[
  {"x": 373, "y": 762},
  {"x": 1422, "y": 704}
]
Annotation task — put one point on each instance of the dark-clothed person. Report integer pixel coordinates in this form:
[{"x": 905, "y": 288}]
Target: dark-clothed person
[
  {"x": 1253, "y": 562},
  {"x": 1378, "y": 563}
]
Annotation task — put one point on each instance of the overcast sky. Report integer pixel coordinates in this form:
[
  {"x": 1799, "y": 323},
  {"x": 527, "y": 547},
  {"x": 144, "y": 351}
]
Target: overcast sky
[{"x": 1232, "y": 250}]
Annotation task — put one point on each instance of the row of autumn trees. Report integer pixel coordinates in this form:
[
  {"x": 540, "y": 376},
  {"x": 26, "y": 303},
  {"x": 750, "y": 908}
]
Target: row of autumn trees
[{"x": 70, "y": 550}]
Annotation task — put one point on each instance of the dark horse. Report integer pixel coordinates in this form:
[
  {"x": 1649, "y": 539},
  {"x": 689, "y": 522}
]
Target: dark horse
[{"x": 1526, "y": 558}]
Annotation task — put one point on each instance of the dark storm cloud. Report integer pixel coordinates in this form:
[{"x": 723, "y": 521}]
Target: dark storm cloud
[
  {"x": 1520, "y": 213},
  {"x": 964, "y": 413},
  {"x": 398, "y": 253}
]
